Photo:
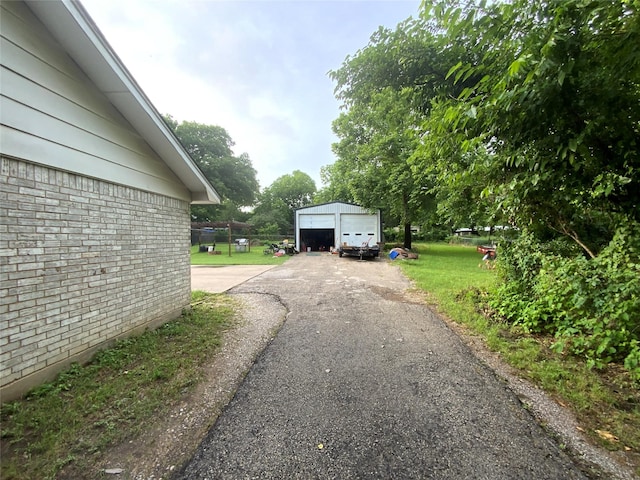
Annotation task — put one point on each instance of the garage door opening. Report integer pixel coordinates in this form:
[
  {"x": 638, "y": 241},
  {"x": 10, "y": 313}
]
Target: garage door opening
[{"x": 318, "y": 239}]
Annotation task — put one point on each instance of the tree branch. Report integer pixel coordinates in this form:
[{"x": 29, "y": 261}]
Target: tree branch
[{"x": 574, "y": 236}]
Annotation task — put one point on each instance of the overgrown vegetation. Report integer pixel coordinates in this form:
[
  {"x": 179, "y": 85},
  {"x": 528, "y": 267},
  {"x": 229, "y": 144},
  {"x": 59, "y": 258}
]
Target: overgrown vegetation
[
  {"x": 590, "y": 306},
  {"x": 67, "y": 423},
  {"x": 605, "y": 400}
]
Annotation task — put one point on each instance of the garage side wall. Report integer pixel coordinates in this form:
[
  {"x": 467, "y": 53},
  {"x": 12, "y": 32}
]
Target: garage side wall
[{"x": 82, "y": 262}]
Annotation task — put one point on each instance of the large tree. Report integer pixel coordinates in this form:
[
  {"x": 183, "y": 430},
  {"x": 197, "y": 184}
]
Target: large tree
[
  {"x": 552, "y": 103},
  {"x": 278, "y": 201},
  {"x": 382, "y": 89},
  {"x": 376, "y": 141},
  {"x": 233, "y": 177}
]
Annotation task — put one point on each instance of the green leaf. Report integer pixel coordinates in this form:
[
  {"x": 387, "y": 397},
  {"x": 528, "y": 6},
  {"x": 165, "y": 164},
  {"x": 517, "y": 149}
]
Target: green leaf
[
  {"x": 466, "y": 93},
  {"x": 530, "y": 76},
  {"x": 561, "y": 76},
  {"x": 472, "y": 112},
  {"x": 516, "y": 65},
  {"x": 460, "y": 73},
  {"x": 453, "y": 69}
]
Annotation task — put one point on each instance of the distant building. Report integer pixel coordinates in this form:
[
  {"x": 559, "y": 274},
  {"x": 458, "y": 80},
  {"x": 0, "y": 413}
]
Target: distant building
[
  {"x": 465, "y": 232},
  {"x": 320, "y": 227}
]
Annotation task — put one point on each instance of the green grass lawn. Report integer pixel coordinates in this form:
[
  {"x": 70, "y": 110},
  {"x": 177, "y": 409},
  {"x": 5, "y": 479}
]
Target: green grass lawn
[
  {"x": 446, "y": 270},
  {"x": 231, "y": 257}
]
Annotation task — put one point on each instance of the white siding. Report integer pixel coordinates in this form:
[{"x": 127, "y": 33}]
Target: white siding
[
  {"x": 51, "y": 113},
  {"x": 336, "y": 207}
]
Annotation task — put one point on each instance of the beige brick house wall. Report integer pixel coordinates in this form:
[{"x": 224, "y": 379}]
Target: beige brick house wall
[{"x": 82, "y": 262}]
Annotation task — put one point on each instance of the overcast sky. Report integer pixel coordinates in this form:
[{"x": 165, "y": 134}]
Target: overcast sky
[{"x": 256, "y": 68}]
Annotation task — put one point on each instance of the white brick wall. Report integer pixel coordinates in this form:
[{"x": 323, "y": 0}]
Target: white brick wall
[{"x": 82, "y": 262}]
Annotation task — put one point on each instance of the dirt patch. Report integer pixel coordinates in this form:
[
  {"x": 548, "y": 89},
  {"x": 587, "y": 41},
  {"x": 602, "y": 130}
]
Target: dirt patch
[{"x": 408, "y": 296}]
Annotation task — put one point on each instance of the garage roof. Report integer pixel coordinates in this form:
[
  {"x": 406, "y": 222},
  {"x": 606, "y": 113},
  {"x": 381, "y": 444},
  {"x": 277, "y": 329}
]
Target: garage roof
[{"x": 332, "y": 207}]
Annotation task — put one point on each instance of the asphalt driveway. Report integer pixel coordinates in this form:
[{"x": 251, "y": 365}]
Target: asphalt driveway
[{"x": 363, "y": 382}]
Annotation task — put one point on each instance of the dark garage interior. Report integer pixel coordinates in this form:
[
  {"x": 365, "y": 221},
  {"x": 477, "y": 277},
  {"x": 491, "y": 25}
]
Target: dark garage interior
[{"x": 319, "y": 240}]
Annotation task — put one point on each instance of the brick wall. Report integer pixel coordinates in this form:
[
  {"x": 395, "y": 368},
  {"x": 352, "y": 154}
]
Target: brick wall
[{"x": 82, "y": 262}]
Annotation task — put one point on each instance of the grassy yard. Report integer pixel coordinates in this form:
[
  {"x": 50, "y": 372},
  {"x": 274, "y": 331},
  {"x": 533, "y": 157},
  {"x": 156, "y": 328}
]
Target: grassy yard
[
  {"x": 443, "y": 271},
  {"x": 228, "y": 256},
  {"x": 606, "y": 402}
]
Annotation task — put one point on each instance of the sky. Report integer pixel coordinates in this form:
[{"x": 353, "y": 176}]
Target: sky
[{"x": 257, "y": 68}]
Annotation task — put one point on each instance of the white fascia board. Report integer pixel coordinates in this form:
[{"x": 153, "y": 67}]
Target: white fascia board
[{"x": 73, "y": 28}]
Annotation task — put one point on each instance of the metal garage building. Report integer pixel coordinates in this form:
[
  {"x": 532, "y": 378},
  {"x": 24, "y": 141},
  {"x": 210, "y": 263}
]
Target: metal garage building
[{"x": 327, "y": 225}]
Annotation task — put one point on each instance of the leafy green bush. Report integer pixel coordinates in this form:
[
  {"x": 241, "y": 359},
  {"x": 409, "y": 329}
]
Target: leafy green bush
[
  {"x": 391, "y": 235},
  {"x": 592, "y": 306},
  {"x": 433, "y": 233},
  {"x": 519, "y": 263}
]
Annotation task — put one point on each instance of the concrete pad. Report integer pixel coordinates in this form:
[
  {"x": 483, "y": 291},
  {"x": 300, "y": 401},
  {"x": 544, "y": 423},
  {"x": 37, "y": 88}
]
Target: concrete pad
[{"x": 219, "y": 279}]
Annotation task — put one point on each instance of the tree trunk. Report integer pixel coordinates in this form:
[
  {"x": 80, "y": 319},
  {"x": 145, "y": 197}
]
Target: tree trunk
[{"x": 407, "y": 235}]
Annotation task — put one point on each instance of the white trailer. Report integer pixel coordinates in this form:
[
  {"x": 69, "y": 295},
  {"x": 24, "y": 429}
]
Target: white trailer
[{"x": 359, "y": 235}]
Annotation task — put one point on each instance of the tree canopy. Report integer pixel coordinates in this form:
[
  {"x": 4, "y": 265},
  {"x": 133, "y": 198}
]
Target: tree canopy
[
  {"x": 553, "y": 106},
  {"x": 277, "y": 203},
  {"x": 524, "y": 112},
  {"x": 233, "y": 177}
]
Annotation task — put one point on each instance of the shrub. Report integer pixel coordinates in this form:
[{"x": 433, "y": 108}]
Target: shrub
[
  {"x": 592, "y": 306},
  {"x": 391, "y": 235}
]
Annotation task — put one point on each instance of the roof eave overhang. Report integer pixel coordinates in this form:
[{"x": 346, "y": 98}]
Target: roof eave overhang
[{"x": 73, "y": 28}]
